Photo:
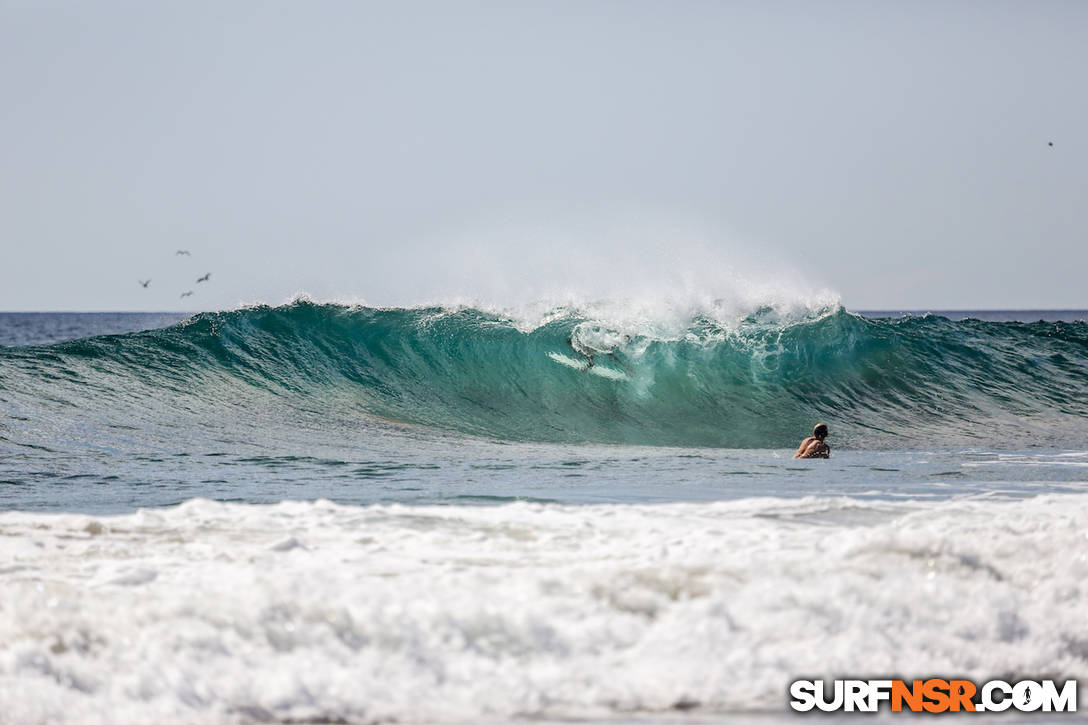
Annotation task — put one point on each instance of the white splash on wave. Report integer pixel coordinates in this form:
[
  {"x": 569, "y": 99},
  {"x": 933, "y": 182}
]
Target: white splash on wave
[{"x": 630, "y": 271}]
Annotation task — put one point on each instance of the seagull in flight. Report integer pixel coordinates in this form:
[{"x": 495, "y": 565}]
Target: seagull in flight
[
  {"x": 205, "y": 278},
  {"x": 143, "y": 283},
  {"x": 187, "y": 294},
  {"x": 182, "y": 251}
]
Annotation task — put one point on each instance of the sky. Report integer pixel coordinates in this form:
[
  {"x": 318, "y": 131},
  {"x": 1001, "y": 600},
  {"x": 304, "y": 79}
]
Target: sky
[{"x": 406, "y": 152}]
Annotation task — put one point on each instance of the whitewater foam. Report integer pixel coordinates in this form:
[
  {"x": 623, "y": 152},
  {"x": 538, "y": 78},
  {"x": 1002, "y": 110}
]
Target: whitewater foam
[{"x": 317, "y": 612}]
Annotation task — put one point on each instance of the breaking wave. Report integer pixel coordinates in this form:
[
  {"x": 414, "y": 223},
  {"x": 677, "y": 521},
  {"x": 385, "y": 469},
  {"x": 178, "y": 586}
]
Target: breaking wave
[{"x": 577, "y": 375}]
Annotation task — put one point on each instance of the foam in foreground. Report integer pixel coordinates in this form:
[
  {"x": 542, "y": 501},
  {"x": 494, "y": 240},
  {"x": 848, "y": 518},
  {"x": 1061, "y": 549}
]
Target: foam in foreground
[{"x": 304, "y": 612}]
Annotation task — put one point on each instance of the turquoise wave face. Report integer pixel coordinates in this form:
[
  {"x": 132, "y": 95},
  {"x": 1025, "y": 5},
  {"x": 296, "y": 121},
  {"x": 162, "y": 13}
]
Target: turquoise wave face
[{"x": 758, "y": 382}]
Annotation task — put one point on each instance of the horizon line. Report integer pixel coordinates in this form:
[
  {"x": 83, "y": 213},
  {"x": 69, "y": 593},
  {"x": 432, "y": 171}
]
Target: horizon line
[{"x": 848, "y": 309}]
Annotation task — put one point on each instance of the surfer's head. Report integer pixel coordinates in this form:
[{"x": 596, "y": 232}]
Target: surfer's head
[{"x": 820, "y": 431}]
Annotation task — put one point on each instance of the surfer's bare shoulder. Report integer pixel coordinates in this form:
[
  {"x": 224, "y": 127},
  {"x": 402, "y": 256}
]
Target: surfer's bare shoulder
[{"x": 813, "y": 447}]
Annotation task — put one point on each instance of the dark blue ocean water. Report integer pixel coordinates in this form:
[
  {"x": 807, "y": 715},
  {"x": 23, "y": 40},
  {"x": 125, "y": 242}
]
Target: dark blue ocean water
[{"x": 43, "y": 328}]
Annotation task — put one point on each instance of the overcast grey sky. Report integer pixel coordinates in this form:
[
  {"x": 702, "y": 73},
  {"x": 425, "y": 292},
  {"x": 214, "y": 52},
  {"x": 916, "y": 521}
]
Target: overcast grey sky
[{"x": 397, "y": 152}]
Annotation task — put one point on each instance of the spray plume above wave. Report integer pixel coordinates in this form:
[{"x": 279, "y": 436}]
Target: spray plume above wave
[{"x": 713, "y": 374}]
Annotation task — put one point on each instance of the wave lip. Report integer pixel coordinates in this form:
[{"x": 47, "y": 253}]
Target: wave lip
[{"x": 757, "y": 378}]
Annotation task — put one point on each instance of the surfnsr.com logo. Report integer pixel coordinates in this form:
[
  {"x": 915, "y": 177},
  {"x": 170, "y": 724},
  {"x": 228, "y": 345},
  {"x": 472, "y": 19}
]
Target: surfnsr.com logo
[{"x": 934, "y": 695}]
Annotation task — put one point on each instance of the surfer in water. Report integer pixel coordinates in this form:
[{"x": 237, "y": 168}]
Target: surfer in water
[
  {"x": 814, "y": 446},
  {"x": 589, "y": 352}
]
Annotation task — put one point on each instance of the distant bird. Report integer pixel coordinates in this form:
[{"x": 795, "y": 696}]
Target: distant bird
[
  {"x": 182, "y": 251},
  {"x": 187, "y": 294},
  {"x": 1050, "y": 143},
  {"x": 144, "y": 284},
  {"x": 205, "y": 278}
]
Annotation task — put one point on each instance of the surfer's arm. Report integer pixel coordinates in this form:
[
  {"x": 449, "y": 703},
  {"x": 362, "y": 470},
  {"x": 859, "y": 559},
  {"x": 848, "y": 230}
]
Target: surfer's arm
[{"x": 813, "y": 448}]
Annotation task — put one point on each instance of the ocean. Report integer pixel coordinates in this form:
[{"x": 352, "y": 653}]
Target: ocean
[{"x": 325, "y": 513}]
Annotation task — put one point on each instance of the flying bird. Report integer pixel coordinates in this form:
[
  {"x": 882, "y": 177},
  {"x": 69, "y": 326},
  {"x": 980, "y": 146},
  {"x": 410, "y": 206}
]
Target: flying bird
[
  {"x": 182, "y": 251},
  {"x": 205, "y": 278},
  {"x": 187, "y": 294},
  {"x": 1050, "y": 143},
  {"x": 143, "y": 283}
]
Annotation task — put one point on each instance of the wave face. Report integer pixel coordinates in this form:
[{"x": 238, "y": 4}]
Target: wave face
[{"x": 758, "y": 381}]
